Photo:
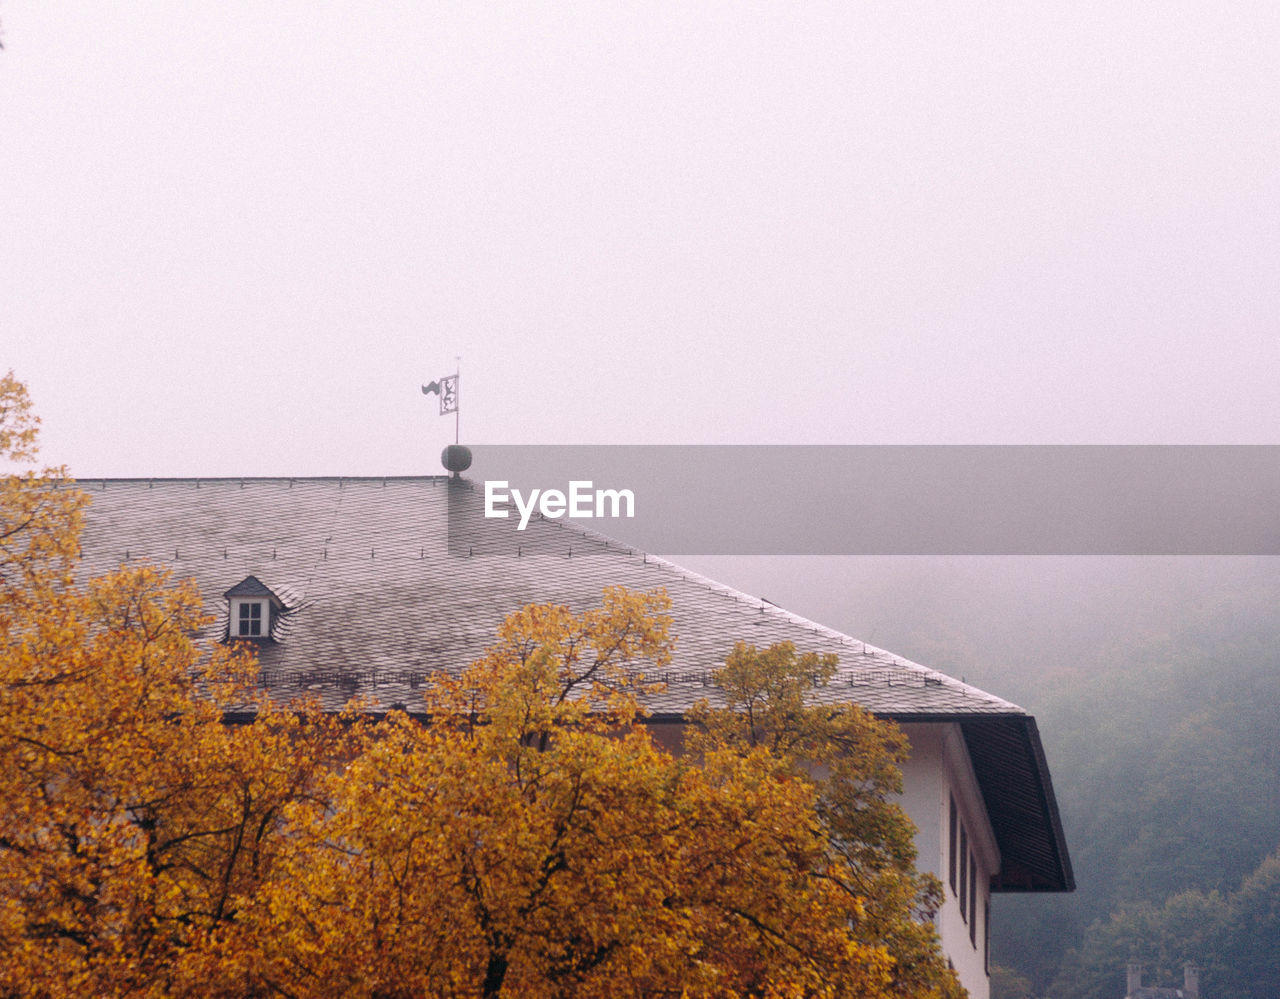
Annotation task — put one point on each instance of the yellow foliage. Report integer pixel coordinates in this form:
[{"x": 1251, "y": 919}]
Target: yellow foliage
[
  {"x": 528, "y": 839},
  {"x": 135, "y": 822},
  {"x": 533, "y": 841},
  {"x": 849, "y": 758}
]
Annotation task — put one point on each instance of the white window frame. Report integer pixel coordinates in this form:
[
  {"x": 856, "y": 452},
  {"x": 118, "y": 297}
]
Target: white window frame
[{"x": 264, "y": 612}]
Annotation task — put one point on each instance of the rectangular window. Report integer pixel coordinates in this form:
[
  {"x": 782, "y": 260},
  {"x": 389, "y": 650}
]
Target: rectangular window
[
  {"x": 973, "y": 902},
  {"x": 964, "y": 870},
  {"x": 250, "y": 620},
  {"x": 986, "y": 937},
  {"x": 951, "y": 851}
]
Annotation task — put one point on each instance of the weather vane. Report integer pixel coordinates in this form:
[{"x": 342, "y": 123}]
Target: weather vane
[{"x": 447, "y": 389}]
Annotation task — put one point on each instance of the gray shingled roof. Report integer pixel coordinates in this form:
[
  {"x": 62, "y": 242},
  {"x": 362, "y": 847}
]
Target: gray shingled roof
[{"x": 387, "y": 580}]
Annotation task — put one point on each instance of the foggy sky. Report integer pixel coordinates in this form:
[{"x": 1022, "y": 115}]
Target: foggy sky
[{"x": 238, "y": 236}]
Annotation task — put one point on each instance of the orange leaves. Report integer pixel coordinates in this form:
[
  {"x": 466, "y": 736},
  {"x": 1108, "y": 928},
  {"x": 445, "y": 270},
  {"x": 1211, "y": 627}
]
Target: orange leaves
[
  {"x": 849, "y": 760},
  {"x": 541, "y": 846},
  {"x": 545, "y": 847},
  {"x": 19, "y": 427},
  {"x": 137, "y": 823},
  {"x": 550, "y": 669},
  {"x": 40, "y": 515},
  {"x": 529, "y": 839}
]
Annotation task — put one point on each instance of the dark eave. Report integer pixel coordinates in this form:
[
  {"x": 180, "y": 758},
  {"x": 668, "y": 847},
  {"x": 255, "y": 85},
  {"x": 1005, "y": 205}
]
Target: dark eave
[
  {"x": 1013, "y": 777},
  {"x": 1009, "y": 761}
]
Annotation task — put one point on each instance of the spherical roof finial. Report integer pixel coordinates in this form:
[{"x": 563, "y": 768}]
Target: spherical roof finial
[{"x": 456, "y": 458}]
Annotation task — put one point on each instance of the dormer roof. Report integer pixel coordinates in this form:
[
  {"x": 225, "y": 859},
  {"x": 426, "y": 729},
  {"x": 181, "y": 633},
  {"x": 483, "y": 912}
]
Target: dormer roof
[{"x": 252, "y": 586}]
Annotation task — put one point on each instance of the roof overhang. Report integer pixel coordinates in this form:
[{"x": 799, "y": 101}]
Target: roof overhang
[{"x": 1013, "y": 777}]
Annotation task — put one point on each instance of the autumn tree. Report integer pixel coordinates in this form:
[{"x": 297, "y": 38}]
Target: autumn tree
[
  {"x": 135, "y": 821},
  {"x": 774, "y": 700},
  {"x": 534, "y": 841},
  {"x": 40, "y": 515},
  {"x": 527, "y": 838}
]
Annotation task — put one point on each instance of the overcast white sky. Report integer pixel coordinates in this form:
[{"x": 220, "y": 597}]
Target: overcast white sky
[{"x": 235, "y": 237}]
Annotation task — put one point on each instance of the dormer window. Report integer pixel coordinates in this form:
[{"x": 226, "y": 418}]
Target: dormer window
[
  {"x": 249, "y": 617},
  {"x": 252, "y": 609}
]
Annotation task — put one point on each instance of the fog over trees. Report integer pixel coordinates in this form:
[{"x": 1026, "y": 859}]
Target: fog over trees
[{"x": 1156, "y": 686}]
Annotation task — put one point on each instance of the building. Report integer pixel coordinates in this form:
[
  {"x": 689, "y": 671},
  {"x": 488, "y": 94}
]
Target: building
[
  {"x": 369, "y": 585},
  {"x": 1134, "y": 988}
]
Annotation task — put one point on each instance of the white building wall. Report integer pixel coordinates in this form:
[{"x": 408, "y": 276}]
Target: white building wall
[{"x": 937, "y": 773}]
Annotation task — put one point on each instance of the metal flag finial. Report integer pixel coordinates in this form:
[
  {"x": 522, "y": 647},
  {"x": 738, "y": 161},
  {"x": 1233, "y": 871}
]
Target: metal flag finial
[{"x": 447, "y": 389}]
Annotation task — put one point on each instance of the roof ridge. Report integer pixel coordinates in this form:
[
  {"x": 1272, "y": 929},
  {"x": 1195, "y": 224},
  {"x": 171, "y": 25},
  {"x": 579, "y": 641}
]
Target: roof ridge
[{"x": 212, "y": 479}]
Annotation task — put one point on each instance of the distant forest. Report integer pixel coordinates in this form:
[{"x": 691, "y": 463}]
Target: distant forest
[{"x": 1156, "y": 686}]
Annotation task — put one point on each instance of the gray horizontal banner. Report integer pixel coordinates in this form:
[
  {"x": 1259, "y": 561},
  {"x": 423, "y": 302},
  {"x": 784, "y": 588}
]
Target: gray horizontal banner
[{"x": 894, "y": 500}]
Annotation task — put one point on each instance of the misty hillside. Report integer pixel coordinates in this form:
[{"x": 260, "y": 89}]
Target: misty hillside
[{"x": 1156, "y": 685}]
